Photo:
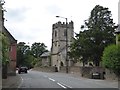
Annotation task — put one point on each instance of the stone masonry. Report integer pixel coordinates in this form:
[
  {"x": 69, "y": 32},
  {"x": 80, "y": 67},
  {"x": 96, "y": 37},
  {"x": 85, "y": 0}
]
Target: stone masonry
[{"x": 58, "y": 49}]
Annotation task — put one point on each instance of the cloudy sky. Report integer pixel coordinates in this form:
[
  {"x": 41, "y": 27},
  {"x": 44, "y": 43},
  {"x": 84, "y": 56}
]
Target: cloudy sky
[{"x": 31, "y": 20}]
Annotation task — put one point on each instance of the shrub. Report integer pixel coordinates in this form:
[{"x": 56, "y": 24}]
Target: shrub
[{"x": 111, "y": 58}]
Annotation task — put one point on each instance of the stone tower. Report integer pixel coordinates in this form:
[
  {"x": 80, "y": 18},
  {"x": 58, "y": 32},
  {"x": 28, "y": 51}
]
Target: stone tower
[{"x": 58, "y": 49}]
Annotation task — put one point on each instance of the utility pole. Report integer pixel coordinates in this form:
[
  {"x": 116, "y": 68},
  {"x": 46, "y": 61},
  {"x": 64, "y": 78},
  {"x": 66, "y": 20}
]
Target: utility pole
[{"x": 66, "y": 46}]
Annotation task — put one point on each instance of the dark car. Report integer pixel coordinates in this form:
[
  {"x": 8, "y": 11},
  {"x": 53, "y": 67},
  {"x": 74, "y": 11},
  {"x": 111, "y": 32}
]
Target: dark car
[{"x": 22, "y": 69}]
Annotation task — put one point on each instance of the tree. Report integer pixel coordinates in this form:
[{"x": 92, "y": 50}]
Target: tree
[
  {"x": 23, "y": 54},
  {"x": 29, "y": 56},
  {"x": 4, "y": 48},
  {"x": 38, "y": 49},
  {"x": 81, "y": 48},
  {"x": 98, "y": 32},
  {"x": 4, "y": 51},
  {"x": 111, "y": 58}
]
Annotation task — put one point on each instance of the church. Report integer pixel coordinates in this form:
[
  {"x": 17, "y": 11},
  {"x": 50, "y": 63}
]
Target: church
[{"x": 60, "y": 32}]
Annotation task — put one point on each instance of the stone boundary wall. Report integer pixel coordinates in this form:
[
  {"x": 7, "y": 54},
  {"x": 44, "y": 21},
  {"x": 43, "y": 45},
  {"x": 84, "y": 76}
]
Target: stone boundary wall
[
  {"x": 82, "y": 71},
  {"x": 44, "y": 69},
  {"x": 110, "y": 75}
]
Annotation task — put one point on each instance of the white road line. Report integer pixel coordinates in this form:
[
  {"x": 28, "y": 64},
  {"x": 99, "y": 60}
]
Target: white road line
[
  {"x": 21, "y": 82},
  {"x": 66, "y": 85},
  {"x": 51, "y": 79},
  {"x": 61, "y": 85}
]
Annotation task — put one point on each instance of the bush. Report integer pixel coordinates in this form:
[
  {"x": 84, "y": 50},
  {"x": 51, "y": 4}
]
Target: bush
[{"x": 111, "y": 58}]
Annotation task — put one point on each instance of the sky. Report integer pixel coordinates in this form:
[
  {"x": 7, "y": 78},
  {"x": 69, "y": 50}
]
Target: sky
[{"x": 31, "y": 21}]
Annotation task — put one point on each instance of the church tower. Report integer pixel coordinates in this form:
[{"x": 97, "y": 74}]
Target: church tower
[{"x": 58, "y": 49}]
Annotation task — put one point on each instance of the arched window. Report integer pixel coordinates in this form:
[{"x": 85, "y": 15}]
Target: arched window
[{"x": 61, "y": 63}]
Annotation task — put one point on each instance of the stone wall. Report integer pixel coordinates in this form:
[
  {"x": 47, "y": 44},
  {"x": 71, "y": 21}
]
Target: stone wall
[
  {"x": 44, "y": 69},
  {"x": 81, "y": 71},
  {"x": 110, "y": 75},
  {"x": 58, "y": 50}
]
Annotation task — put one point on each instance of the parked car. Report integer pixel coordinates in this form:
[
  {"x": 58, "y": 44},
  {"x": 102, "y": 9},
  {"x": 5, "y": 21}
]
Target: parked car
[{"x": 22, "y": 69}]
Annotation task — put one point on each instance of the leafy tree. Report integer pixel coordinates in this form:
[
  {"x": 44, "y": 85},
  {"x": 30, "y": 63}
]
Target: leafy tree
[
  {"x": 29, "y": 56},
  {"x": 4, "y": 51},
  {"x": 4, "y": 48},
  {"x": 98, "y": 32},
  {"x": 20, "y": 56},
  {"x": 23, "y": 53},
  {"x": 111, "y": 58},
  {"x": 81, "y": 48},
  {"x": 38, "y": 49}
]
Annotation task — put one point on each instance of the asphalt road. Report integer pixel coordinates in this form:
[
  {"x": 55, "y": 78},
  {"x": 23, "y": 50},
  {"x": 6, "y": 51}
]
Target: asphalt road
[{"x": 36, "y": 79}]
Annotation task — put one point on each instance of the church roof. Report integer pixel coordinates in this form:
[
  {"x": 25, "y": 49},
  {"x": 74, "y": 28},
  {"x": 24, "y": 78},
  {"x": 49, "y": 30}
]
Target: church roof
[
  {"x": 45, "y": 54},
  {"x": 118, "y": 29}
]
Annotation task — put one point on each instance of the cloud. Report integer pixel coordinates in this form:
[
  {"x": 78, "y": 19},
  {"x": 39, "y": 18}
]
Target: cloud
[
  {"x": 16, "y": 14},
  {"x": 53, "y": 9},
  {"x": 31, "y": 20}
]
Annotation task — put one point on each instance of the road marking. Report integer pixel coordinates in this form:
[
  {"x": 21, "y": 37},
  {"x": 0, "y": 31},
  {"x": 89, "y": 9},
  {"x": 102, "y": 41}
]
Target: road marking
[
  {"x": 21, "y": 82},
  {"x": 51, "y": 79},
  {"x": 66, "y": 85},
  {"x": 61, "y": 85}
]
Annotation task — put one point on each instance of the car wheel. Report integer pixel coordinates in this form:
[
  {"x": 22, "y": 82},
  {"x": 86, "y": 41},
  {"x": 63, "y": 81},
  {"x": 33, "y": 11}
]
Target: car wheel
[{"x": 19, "y": 72}]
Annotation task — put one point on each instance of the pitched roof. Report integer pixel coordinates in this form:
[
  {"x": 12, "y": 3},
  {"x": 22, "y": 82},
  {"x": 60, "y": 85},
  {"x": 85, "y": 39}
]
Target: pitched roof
[
  {"x": 45, "y": 54},
  {"x": 118, "y": 29},
  {"x": 11, "y": 38}
]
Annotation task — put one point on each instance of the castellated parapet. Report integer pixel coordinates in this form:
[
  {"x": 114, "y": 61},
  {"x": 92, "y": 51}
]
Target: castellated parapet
[{"x": 63, "y": 25}]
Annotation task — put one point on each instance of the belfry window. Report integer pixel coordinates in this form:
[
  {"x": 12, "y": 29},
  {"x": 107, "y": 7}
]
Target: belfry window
[
  {"x": 55, "y": 33},
  {"x": 65, "y": 33}
]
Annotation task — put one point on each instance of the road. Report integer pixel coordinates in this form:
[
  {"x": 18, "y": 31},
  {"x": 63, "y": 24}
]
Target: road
[{"x": 36, "y": 79}]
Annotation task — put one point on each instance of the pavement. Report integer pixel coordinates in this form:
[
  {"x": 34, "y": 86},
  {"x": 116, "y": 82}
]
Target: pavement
[{"x": 11, "y": 82}]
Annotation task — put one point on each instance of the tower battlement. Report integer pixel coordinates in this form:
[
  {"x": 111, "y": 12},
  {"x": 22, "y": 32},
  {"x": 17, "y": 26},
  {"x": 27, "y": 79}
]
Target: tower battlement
[{"x": 63, "y": 25}]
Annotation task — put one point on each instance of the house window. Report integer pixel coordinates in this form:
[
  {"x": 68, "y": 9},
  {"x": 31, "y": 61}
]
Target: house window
[{"x": 10, "y": 49}]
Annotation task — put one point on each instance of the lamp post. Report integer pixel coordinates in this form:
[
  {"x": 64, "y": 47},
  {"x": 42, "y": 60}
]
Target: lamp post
[{"x": 66, "y": 43}]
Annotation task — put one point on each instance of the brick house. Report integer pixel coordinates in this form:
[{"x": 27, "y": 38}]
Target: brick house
[
  {"x": 11, "y": 66},
  {"x": 11, "y": 70}
]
